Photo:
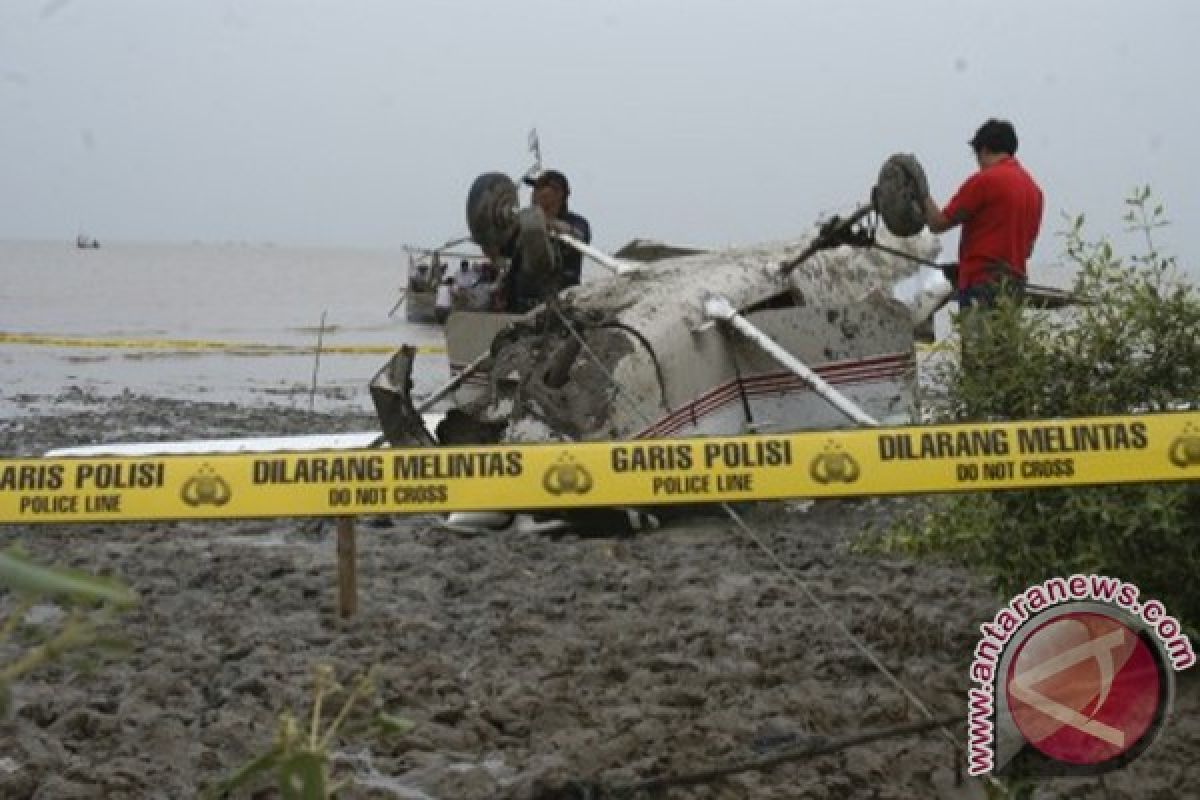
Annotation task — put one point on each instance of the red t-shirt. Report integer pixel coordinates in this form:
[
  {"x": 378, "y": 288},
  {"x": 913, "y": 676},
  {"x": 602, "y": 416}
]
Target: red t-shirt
[{"x": 1001, "y": 208}]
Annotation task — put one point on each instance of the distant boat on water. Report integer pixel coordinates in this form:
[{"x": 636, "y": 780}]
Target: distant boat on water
[
  {"x": 434, "y": 289},
  {"x": 85, "y": 242}
]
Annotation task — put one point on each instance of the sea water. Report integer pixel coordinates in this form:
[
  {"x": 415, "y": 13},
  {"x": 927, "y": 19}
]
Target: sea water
[{"x": 111, "y": 309}]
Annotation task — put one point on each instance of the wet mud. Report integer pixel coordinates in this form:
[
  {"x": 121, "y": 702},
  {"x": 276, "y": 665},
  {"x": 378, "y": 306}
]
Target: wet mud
[{"x": 525, "y": 661}]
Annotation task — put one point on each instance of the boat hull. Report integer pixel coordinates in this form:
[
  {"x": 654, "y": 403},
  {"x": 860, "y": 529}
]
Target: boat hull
[{"x": 420, "y": 307}]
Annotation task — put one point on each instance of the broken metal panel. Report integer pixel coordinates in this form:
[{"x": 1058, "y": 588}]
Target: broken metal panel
[
  {"x": 391, "y": 392},
  {"x": 646, "y": 250},
  {"x": 548, "y": 374}
]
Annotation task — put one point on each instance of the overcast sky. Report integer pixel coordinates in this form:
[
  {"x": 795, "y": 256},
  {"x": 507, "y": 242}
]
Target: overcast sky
[{"x": 363, "y": 122}]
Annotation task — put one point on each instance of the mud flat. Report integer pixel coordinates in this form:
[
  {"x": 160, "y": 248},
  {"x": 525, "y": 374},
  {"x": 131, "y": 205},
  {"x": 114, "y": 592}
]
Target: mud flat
[{"x": 525, "y": 661}]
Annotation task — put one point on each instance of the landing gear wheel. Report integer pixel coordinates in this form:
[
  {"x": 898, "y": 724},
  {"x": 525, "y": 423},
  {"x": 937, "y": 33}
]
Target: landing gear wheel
[
  {"x": 492, "y": 211},
  {"x": 899, "y": 195}
]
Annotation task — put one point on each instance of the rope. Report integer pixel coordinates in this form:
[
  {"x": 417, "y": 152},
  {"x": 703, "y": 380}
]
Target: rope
[
  {"x": 859, "y": 645},
  {"x": 762, "y": 764},
  {"x": 931, "y": 721}
]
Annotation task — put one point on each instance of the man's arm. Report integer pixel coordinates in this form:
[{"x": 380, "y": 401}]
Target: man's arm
[
  {"x": 585, "y": 229},
  {"x": 936, "y": 220},
  {"x": 969, "y": 199},
  {"x": 573, "y": 225}
]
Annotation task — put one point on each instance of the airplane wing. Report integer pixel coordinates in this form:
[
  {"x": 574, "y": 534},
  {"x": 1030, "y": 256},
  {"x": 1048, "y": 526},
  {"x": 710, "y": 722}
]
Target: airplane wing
[{"x": 249, "y": 444}]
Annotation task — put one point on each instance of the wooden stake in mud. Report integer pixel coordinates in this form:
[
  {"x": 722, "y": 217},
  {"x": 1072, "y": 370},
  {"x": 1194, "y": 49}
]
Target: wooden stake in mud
[
  {"x": 312, "y": 393},
  {"x": 347, "y": 568}
]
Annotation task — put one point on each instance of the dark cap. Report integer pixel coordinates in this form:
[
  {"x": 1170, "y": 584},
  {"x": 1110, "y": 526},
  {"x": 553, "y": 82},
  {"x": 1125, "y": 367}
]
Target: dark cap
[
  {"x": 549, "y": 177},
  {"x": 997, "y": 135}
]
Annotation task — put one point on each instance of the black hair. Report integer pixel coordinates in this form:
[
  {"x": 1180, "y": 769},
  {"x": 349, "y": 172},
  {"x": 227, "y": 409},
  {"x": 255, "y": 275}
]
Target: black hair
[
  {"x": 997, "y": 135},
  {"x": 555, "y": 177}
]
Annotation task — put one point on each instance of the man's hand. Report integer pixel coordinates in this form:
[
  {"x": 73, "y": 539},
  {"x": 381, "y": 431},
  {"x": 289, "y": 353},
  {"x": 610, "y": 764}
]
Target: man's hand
[{"x": 935, "y": 219}]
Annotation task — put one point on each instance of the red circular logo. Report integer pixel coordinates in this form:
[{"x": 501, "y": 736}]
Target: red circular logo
[{"x": 1083, "y": 688}]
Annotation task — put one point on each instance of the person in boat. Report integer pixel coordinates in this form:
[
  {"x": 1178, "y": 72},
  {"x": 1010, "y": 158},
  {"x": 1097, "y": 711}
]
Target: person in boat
[
  {"x": 551, "y": 191},
  {"x": 1000, "y": 211},
  {"x": 443, "y": 299}
]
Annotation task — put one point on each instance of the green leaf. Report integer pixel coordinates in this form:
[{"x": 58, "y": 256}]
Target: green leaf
[
  {"x": 389, "y": 723},
  {"x": 22, "y": 575},
  {"x": 245, "y": 774},
  {"x": 302, "y": 776}
]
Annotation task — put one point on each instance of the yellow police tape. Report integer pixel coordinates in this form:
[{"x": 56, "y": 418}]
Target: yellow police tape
[
  {"x": 956, "y": 458},
  {"x": 202, "y": 345}
]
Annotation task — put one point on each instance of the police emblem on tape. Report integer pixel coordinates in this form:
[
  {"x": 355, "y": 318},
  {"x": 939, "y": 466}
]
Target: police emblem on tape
[
  {"x": 1185, "y": 450},
  {"x": 567, "y": 477},
  {"x": 834, "y": 465},
  {"x": 206, "y": 487}
]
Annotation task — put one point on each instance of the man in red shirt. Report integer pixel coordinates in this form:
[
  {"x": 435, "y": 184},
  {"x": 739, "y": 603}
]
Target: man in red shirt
[{"x": 1000, "y": 210}]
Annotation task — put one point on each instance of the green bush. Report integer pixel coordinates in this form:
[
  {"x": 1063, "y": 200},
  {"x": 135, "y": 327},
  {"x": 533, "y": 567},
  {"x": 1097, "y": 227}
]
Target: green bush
[{"x": 1130, "y": 344}]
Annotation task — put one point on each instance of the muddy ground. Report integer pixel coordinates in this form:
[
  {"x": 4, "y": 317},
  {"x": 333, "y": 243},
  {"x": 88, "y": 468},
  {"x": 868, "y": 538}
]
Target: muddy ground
[{"x": 525, "y": 661}]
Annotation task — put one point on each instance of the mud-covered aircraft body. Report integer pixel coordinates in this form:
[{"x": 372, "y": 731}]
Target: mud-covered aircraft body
[
  {"x": 794, "y": 335},
  {"x": 642, "y": 354}
]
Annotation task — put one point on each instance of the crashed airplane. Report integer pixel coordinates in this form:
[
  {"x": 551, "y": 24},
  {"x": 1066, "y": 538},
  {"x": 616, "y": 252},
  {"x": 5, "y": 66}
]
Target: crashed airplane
[{"x": 813, "y": 333}]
